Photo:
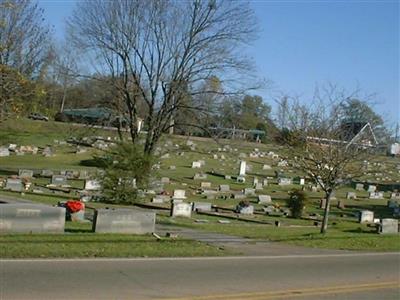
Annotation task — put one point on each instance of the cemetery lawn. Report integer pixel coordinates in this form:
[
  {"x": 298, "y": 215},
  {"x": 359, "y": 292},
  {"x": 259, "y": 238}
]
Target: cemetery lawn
[
  {"x": 343, "y": 236},
  {"x": 80, "y": 245}
]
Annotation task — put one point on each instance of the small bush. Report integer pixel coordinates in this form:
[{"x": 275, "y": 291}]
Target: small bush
[
  {"x": 126, "y": 168},
  {"x": 297, "y": 202}
]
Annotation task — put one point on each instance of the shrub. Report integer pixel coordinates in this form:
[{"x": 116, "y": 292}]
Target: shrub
[
  {"x": 297, "y": 202},
  {"x": 126, "y": 169}
]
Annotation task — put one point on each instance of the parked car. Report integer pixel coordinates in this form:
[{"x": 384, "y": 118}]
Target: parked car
[{"x": 37, "y": 116}]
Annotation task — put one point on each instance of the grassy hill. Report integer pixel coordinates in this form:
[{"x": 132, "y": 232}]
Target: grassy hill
[{"x": 221, "y": 158}]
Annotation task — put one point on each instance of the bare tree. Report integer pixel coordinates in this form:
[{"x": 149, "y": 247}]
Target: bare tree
[
  {"x": 24, "y": 51},
  {"x": 320, "y": 144},
  {"x": 161, "y": 52},
  {"x": 24, "y": 38}
]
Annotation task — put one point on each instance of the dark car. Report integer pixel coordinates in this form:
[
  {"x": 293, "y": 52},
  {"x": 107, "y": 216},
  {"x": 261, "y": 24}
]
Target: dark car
[{"x": 36, "y": 116}]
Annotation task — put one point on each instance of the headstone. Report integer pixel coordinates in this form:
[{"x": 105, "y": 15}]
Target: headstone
[
  {"x": 245, "y": 210},
  {"x": 25, "y": 173},
  {"x": 31, "y": 218},
  {"x": 224, "y": 188},
  {"x": 264, "y": 199},
  {"x": 160, "y": 199},
  {"x": 4, "y": 152},
  {"x": 359, "y": 187},
  {"x": 123, "y": 220},
  {"x": 395, "y": 196},
  {"x": 47, "y": 152},
  {"x": 92, "y": 185},
  {"x": 205, "y": 184},
  {"x": 47, "y": 173},
  {"x": 266, "y": 167},
  {"x": 59, "y": 180},
  {"x": 302, "y": 181},
  {"x": 351, "y": 195},
  {"x": 366, "y": 216},
  {"x": 200, "y": 176},
  {"x": 83, "y": 174},
  {"x": 181, "y": 209},
  {"x": 196, "y": 164},
  {"x": 14, "y": 185},
  {"x": 242, "y": 168},
  {"x": 341, "y": 204},
  {"x": 322, "y": 203},
  {"x": 269, "y": 209},
  {"x": 376, "y": 195},
  {"x": 265, "y": 182},
  {"x": 371, "y": 188},
  {"x": 239, "y": 196},
  {"x": 165, "y": 180},
  {"x": 389, "y": 226},
  {"x": 284, "y": 181},
  {"x": 228, "y": 177},
  {"x": 202, "y": 206},
  {"x": 249, "y": 192},
  {"x": 258, "y": 186},
  {"x": 179, "y": 194}
]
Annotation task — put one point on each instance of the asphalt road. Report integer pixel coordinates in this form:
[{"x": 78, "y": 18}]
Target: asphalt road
[{"x": 331, "y": 276}]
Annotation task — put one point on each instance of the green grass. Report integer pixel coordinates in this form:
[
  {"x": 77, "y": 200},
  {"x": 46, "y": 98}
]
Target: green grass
[
  {"x": 347, "y": 234},
  {"x": 343, "y": 235},
  {"x": 100, "y": 245}
]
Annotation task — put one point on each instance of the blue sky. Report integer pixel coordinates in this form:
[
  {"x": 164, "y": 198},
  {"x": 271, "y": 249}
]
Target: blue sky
[{"x": 354, "y": 44}]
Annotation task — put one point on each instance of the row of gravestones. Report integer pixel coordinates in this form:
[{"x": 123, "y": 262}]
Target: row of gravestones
[
  {"x": 384, "y": 226},
  {"x": 37, "y": 218},
  {"x": 17, "y": 184},
  {"x": 69, "y": 174}
]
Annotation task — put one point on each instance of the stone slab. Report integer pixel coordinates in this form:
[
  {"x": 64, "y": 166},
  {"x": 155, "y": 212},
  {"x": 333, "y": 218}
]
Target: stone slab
[
  {"x": 31, "y": 218},
  {"x": 124, "y": 220}
]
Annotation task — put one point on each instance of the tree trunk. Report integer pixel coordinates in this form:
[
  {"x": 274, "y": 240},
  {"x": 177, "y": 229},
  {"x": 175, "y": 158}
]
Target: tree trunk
[{"x": 324, "y": 225}]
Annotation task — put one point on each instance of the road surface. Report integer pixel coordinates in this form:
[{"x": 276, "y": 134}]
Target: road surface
[{"x": 328, "y": 276}]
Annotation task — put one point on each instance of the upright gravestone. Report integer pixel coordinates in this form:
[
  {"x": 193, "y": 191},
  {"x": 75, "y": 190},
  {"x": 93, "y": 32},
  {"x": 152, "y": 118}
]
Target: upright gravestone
[
  {"x": 47, "y": 173},
  {"x": 245, "y": 210},
  {"x": 179, "y": 194},
  {"x": 92, "y": 185},
  {"x": 376, "y": 195},
  {"x": 341, "y": 204},
  {"x": 366, "y": 216},
  {"x": 258, "y": 186},
  {"x": 371, "y": 188},
  {"x": 165, "y": 180},
  {"x": 14, "y": 185},
  {"x": 4, "y": 152},
  {"x": 395, "y": 196},
  {"x": 181, "y": 209},
  {"x": 302, "y": 181},
  {"x": 242, "y": 168},
  {"x": 123, "y": 220},
  {"x": 25, "y": 173},
  {"x": 389, "y": 226},
  {"x": 284, "y": 181},
  {"x": 196, "y": 164},
  {"x": 205, "y": 184},
  {"x": 351, "y": 195},
  {"x": 224, "y": 188},
  {"x": 249, "y": 192},
  {"x": 359, "y": 187},
  {"x": 264, "y": 199},
  {"x": 201, "y": 206},
  {"x": 31, "y": 218},
  {"x": 322, "y": 203}
]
